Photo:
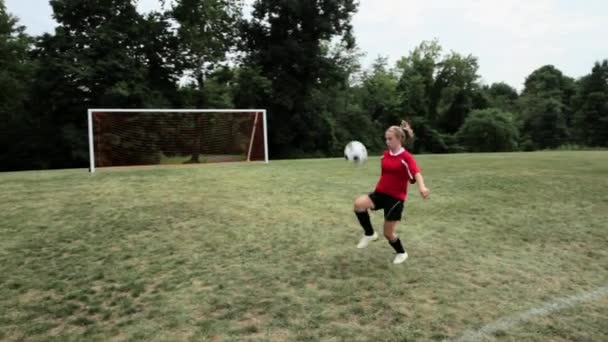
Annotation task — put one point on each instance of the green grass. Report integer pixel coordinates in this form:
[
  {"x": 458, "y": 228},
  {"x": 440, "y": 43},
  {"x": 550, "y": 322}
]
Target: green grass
[{"x": 228, "y": 252}]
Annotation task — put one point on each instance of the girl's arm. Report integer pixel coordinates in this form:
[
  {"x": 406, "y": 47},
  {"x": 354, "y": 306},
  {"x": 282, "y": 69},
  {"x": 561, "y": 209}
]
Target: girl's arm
[{"x": 424, "y": 191}]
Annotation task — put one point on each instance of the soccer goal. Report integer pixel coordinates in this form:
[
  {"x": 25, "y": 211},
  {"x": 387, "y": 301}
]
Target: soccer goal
[{"x": 130, "y": 137}]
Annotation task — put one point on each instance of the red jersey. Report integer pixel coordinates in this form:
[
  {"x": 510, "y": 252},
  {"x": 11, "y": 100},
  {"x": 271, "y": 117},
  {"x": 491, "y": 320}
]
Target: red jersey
[{"x": 397, "y": 171}]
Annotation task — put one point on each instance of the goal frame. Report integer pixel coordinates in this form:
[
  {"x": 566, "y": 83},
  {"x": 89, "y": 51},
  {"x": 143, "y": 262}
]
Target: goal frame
[{"x": 90, "y": 112}]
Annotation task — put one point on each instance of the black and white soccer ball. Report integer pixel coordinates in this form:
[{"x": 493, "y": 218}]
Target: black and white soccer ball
[{"x": 355, "y": 152}]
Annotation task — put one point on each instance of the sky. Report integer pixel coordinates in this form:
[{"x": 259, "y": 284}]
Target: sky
[{"x": 510, "y": 38}]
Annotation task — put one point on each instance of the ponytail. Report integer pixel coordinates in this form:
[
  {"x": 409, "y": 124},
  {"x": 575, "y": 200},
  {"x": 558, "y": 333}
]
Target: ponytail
[{"x": 408, "y": 132}]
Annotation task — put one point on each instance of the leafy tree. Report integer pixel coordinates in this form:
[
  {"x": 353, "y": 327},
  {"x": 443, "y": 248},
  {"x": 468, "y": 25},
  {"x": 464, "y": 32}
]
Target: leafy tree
[
  {"x": 502, "y": 96},
  {"x": 18, "y": 134},
  {"x": 453, "y": 91},
  {"x": 544, "y": 124},
  {"x": 591, "y": 118},
  {"x": 286, "y": 40},
  {"x": 379, "y": 98},
  {"x": 437, "y": 92},
  {"x": 103, "y": 54},
  {"x": 546, "y": 108},
  {"x": 208, "y": 32},
  {"x": 417, "y": 80}
]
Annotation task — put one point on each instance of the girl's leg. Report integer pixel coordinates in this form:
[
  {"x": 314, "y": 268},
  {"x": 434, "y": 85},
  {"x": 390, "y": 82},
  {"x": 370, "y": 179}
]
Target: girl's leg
[
  {"x": 362, "y": 205},
  {"x": 389, "y": 233},
  {"x": 390, "y": 227}
]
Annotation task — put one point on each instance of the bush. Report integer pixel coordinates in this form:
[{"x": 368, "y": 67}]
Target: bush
[{"x": 488, "y": 130}]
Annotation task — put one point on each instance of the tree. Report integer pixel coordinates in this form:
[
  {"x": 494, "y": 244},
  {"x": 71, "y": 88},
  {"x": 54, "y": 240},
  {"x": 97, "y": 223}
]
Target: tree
[
  {"x": 379, "y": 98},
  {"x": 208, "y": 31},
  {"x": 417, "y": 80},
  {"x": 339, "y": 101},
  {"x": 546, "y": 108},
  {"x": 502, "y": 96},
  {"x": 437, "y": 92},
  {"x": 591, "y": 118},
  {"x": 453, "y": 91},
  {"x": 286, "y": 40},
  {"x": 16, "y": 70},
  {"x": 546, "y": 80},
  {"x": 103, "y": 54},
  {"x": 544, "y": 124},
  {"x": 250, "y": 88},
  {"x": 489, "y": 130},
  {"x": 162, "y": 57}
]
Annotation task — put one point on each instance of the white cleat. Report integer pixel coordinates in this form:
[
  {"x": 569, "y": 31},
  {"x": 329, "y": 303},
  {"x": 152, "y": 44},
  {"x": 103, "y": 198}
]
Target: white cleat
[
  {"x": 365, "y": 240},
  {"x": 400, "y": 258}
]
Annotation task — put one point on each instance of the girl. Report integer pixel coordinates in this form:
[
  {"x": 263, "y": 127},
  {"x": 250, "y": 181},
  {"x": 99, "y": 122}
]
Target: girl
[{"x": 398, "y": 169}]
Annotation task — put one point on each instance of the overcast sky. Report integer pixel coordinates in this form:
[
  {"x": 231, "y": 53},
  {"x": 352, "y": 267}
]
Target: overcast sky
[{"x": 511, "y": 38}]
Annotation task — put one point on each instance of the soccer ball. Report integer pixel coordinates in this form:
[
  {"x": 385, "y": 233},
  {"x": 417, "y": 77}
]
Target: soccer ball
[{"x": 355, "y": 152}]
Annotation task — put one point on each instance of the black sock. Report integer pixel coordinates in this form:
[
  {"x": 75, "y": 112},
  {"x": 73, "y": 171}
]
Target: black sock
[
  {"x": 365, "y": 222},
  {"x": 397, "y": 246}
]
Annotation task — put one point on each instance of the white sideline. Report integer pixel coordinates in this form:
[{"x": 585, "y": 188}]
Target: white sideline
[{"x": 509, "y": 322}]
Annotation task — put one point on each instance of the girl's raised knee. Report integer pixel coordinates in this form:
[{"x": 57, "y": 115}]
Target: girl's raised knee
[{"x": 360, "y": 204}]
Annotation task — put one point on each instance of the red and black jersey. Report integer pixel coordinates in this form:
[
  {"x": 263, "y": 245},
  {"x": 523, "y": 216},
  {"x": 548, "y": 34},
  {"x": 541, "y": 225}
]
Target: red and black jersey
[{"x": 398, "y": 170}]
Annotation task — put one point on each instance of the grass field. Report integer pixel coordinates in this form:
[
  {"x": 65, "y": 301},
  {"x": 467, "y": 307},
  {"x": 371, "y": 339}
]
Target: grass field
[{"x": 225, "y": 252}]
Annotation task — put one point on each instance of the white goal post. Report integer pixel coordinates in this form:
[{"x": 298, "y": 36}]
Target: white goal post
[{"x": 129, "y": 137}]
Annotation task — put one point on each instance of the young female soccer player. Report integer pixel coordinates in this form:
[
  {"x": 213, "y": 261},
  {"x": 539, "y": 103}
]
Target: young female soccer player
[{"x": 398, "y": 169}]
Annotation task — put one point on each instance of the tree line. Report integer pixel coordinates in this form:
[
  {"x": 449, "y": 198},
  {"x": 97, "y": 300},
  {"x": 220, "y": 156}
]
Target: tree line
[{"x": 298, "y": 59}]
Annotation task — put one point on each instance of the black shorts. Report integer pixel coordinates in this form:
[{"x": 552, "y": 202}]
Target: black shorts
[{"x": 393, "y": 207}]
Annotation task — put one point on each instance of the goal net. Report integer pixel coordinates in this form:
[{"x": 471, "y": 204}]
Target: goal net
[{"x": 128, "y": 137}]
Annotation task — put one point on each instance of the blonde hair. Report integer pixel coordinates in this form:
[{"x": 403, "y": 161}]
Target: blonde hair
[{"x": 404, "y": 133}]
